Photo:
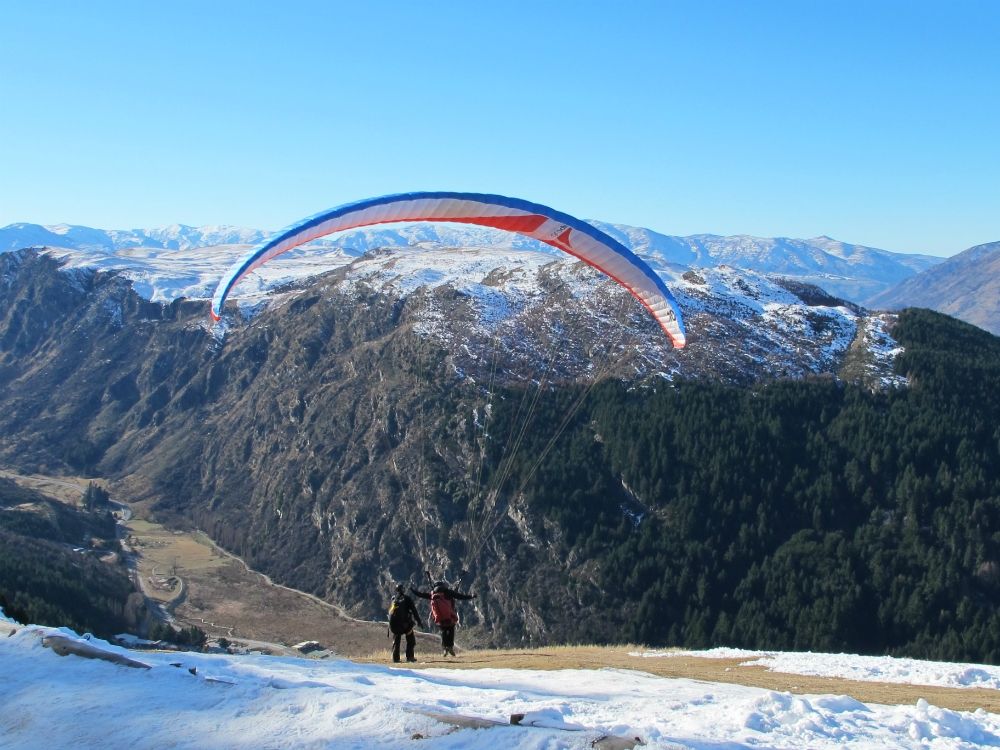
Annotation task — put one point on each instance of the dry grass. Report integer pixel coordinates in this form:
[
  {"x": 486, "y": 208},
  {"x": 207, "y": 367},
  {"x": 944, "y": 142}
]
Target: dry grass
[{"x": 167, "y": 549}]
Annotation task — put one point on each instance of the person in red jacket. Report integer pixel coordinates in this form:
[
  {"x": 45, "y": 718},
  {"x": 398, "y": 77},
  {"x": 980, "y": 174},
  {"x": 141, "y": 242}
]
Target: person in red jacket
[{"x": 443, "y": 611}]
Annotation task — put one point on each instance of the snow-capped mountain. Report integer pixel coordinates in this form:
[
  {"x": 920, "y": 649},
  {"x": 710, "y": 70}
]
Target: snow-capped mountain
[
  {"x": 339, "y": 383},
  {"x": 853, "y": 272},
  {"x": 335, "y": 385},
  {"x": 74, "y": 237}
]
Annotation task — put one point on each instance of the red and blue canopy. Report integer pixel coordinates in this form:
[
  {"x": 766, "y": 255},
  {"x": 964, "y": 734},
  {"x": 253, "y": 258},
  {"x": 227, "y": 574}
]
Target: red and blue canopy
[{"x": 562, "y": 231}]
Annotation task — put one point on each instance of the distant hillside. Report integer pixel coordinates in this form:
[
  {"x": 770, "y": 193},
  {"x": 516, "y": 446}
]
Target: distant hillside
[
  {"x": 50, "y": 573},
  {"x": 845, "y": 270},
  {"x": 195, "y": 254},
  {"x": 174, "y": 237},
  {"x": 966, "y": 286}
]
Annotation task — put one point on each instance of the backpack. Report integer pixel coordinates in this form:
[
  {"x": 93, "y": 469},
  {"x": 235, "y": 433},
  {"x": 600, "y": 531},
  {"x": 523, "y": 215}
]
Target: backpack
[
  {"x": 443, "y": 609},
  {"x": 400, "y": 618}
]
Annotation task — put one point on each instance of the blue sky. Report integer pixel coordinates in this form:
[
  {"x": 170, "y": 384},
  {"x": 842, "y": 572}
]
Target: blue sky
[{"x": 872, "y": 122}]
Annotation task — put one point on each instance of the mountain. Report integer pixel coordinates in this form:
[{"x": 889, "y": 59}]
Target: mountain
[
  {"x": 513, "y": 415},
  {"x": 174, "y": 237},
  {"x": 966, "y": 286},
  {"x": 851, "y": 272},
  {"x": 350, "y": 401}
]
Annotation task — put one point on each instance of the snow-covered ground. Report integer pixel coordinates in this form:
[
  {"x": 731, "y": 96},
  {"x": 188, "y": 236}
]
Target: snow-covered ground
[
  {"x": 855, "y": 667},
  {"x": 188, "y": 700}
]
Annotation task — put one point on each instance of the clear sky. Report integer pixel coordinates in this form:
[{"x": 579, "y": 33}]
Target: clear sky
[{"x": 872, "y": 122}]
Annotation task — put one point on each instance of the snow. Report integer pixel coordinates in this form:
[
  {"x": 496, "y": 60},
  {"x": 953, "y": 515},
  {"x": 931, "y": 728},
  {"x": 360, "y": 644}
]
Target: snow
[
  {"x": 876, "y": 339},
  {"x": 473, "y": 271},
  {"x": 192, "y": 700},
  {"x": 884, "y": 669},
  {"x": 163, "y": 275},
  {"x": 856, "y": 667}
]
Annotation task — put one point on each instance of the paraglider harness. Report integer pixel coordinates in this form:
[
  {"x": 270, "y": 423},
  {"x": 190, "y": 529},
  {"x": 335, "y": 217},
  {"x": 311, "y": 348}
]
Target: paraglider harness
[{"x": 443, "y": 611}]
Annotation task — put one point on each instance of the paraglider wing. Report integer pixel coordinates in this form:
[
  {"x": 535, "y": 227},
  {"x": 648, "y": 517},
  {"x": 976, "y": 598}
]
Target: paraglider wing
[{"x": 554, "y": 228}]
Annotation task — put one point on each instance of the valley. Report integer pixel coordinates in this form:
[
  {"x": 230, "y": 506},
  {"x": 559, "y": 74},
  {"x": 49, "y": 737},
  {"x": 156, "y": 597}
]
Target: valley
[
  {"x": 225, "y": 598},
  {"x": 217, "y": 592},
  {"x": 198, "y": 584},
  {"x": 192, "y": 582}
]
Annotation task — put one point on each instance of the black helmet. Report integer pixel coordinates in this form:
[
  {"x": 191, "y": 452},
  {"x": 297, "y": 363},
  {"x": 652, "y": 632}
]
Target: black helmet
[
  {"x": 439, "y": 585},
  {"x": 400, "y": 588}
]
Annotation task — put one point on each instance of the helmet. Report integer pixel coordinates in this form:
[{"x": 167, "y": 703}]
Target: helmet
[{"x": 399, "y": 588}]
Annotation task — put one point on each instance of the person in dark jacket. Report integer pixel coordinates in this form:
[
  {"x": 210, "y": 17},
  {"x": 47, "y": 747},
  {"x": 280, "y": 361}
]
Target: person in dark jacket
[
  {"x": 443, "y": 611},
  {"x": 403, "y": 616}
]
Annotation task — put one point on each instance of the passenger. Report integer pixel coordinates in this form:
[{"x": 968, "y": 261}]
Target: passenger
[{"x": 443, "y": 611}]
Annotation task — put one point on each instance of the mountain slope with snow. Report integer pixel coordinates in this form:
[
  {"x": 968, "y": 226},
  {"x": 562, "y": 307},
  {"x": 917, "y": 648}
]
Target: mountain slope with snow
[
  {"x": 75, "y": 237},
  {"x": 508, "y": 278}
]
